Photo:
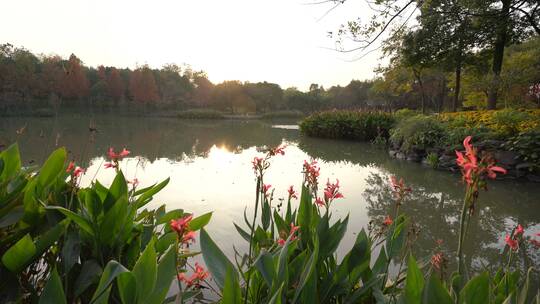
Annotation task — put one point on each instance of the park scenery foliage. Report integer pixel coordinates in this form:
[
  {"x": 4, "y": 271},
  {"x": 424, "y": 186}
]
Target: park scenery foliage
[{"x": 63, "y": 243}]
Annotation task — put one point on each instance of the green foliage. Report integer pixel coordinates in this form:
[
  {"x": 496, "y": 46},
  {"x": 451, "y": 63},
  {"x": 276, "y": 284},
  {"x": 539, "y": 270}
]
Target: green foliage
[
  {"x": 417, "y": 132},
  {"x": 200, "y": 114},
  {"x": 432, "y": 159},
  {"x": 283, "y": 114},
  {"x": 356, "y": 125},
  {"x": 527, "y": 144}
]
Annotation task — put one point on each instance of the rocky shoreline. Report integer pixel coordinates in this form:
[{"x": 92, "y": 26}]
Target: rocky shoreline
[{"x": 517, "y": 169}]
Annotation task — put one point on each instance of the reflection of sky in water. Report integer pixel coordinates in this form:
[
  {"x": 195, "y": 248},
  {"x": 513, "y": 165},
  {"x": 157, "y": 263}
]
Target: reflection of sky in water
[{"x": 209, "y": 163}]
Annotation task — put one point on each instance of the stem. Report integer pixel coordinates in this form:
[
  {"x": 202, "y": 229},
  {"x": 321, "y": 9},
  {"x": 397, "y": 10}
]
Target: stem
[
  {"x": 462, "y": 221},
  {"x": 259, "y": 182}
]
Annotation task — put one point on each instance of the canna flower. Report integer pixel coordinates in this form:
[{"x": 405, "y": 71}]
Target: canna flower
[
  {"x": 437, "y": 260},
  {"x": 331, "y": 192},
  {"x": 471, "y": 168},
  {"x": 512, "y": 243},
  {"x": 388, "y": 221},
  {"x": 519, "y": 230},
  {"x": 319, "y": 202},
  {"x": 311, "y": 172},
  {"x": 293, "y": 237},
  {"x": 117, "y": 156},
  {"x": 277, "y": 150},
  {"x": 181, "y": 225},
  {"x": 78, "y": 171},
  {"x": 70, "y": 167},
  {"x": 188, "y": 237},
  {"x": 439, "y": 242},
  {"x": 535, "y": 243},
  {"x": 134, "y": 182},
  {"x": 266, "y": 188},
  {"x": 110, "y": 165},
  {"x": 257, "y": 163},
  {"x": 398, "y": 188},
  {"x": 199, "y": 275},
  {"x": 292, "y": 193}
]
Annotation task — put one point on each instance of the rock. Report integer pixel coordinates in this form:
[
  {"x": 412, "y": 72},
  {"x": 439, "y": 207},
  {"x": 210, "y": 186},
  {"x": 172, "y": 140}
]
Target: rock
[
  {"x": 447, "y": 161},
  {"x": 489, "y": 144},
  {"x": 506, "y": 158},
  {"x": 524, "y": 166},
  {"x": 401, "y": 155},
  {"x": 413, "y": 156},
  {"x": 392, "y": 153}
]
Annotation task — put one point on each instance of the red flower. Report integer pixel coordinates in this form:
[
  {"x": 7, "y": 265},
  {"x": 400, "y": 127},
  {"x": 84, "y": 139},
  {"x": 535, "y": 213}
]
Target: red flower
[
  {"x": 117, "y": 156},
  {"x": 388, "y": 221},
  {"x": 471, "y": 168},
  {"x": 110, "y": 165},
  {"x": 519, "y": 230},
  {"x": 277, "y": 150},
  {"x": 437, "y": 260},
  {"x": 319, "y": 202},
  {"x": 181, "y": 225},
  {"x": 199, "y": 275},
  {"x": 512, "y": 243},
  {"x": 70, "y": 167},
  {"x": 331, "y": 192},
  {"x": 257, "y": 163},
  {"x": 311, "y": 172},
  {"x": 134, "y": 182},
  {"x": 535, "y": 243},
  {"x": 266, "y": 188},
  {"x": 439, "y": 242},
  {"x": 292, "y": 231},
  {"x": 292, "y": 193},
  {"x": 492, "y": 169},
  {"x": 398, "y": 188},
  {"x": 188, "y": 237},
  {"x": 78, "y": 171}
]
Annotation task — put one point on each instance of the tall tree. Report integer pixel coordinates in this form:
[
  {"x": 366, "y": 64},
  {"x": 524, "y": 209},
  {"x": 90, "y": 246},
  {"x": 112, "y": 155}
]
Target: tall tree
[{"x": 75, "y": 83}]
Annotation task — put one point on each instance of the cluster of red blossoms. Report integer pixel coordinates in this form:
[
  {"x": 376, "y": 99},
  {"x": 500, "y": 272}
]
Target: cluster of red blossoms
[
  {"x": 399, "y": 189},
  {"x": 471, "y": 168},
  {"x": 200, "y": 274},
  {"x": 512, "y": 240},
  {"x": 181, "y": 227},
  {"x": 75, "y": 171},
  {"x": 293, "y": 230},
  {"x": 260, "y": 164},
  {"x": 292, "y": 193},
  {"x": 115, "y": 157},
  {"x": 265, "y": 189},
  {"x": 311, "y": 172},
  {"x": 388, "y": 221}
]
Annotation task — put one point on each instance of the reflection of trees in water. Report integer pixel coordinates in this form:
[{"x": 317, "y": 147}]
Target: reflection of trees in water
[
  {"x": 150, "y": 138},
  {"x": 436, "y": 213}
]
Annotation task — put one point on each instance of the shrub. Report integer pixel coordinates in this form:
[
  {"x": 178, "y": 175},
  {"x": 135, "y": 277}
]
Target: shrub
[
  {"x": 418, "y": 132},
  {"x": 404, "y": 113},
  {"x": 200, "y": 114},
  {"x": 283, "y": 114},
  {"x": 355, "y": 125},
  {"x": 527, "y": 145},
  {"x": 432, "y": 160}
]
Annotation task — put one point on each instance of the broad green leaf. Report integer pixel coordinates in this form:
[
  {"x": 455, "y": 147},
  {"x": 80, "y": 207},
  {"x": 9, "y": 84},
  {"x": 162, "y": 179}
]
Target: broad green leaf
[
  {"x": 71, "y": 250},
  {"x": 83, "y": 223},
  {"x": 117, "y": 190},
  {"x": 414, "y": 284},
  {"x": 89, "y": 275},
  {"x": 52, "y": 167},
  {"x": 19, "y": 255},
  {"x": 523, "y": 295},
  {"x": 265, "y": 264},
  {"x": 200, "y": 221},
  {"x": 266, "y": 214},
  {"x": 145, "y": 272},
  {"x": 276, "y": 298},
  {"x": 171, "y": 215},
  {"x": 165, "y": 241},
  {"x": 231, "y": 290},
  {"x": 112, "y": 270},
  {"x": 165, "y": 274},
  {"x": 11, "y": 162},
  {"x": 215, "y": 259},
  {"x": 476, "y": 291},
  {"x": 114, "y": 221},
  {"x": 11, "y": 216},
  {"x": 127, "y": 287},
  {"x": 305, "y": 211},
  {"x": 53, "y": 291},
  {"x": 434, "y": 292},
  {"x": 50, "y": 237},
  {"x": 146, "y": 197},
  {"x": 308, "y": 271},
  {"x": 242, "y": 232}
]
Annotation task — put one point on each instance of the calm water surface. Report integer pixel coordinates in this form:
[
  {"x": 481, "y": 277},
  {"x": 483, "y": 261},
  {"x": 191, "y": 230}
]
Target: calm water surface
[{"x": 209, "y": 163}]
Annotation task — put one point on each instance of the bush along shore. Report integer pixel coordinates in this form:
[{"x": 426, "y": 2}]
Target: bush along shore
[
  {"x": 63, "y": 243},
  {"x": 511, "y": 137}
]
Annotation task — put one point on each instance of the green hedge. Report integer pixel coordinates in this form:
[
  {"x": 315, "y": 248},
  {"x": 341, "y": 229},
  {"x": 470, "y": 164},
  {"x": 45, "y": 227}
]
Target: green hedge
[{"x": 355, "y": 125}]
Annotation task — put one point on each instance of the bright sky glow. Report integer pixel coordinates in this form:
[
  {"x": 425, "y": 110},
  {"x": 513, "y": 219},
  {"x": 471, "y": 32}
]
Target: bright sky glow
[{"x": 281, "y": 41}]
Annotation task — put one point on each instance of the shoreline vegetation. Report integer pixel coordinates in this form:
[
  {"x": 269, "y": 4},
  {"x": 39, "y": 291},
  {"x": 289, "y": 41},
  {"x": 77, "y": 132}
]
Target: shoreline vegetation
[
  {"x": 64, "y": 243},
  {"x": 511, "y": 137}
]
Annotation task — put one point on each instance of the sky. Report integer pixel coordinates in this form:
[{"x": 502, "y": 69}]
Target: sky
[{"x": 279, "y": 41}]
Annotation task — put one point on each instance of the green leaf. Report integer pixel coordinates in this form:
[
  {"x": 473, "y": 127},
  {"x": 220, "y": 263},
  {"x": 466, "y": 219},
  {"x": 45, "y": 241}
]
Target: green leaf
[
  {"x": 242, "y": 232},
  {"x": 127, "y": 287},
  {"x": 20, "y": 254},
  {"x": 89, "y": 275},
  {"x": 71, "y": 250},
  {"x": 79, "y": 220},
  {"x": 113, "y": 222},
  {"x": 117, "y": 190},
  {"x": 434, "y": 292},
  {"x": 215, "y": 259},
  {"x": 265, "y": 264},
  {"x": 276, "y": 298},
  {"x": 11, "y": 161},
  {"x": 112, "y": 270},
  {"x": 305, "y": 212},
  {"x": 171, "y": 215},
  {"x": 414, "y": 283},
  {"x": 146, "y": 197},
  {"x": 476, "y": 290},
  {"x": 165, "y": 274},
  {"x": 266, "y": 214},
  {"x": 231, "y": 289},
  {"x": 53, "y": 291},
  {"x": 50, "y": 237},
  {"x": 200, "y": 221},
  {"x": 165, "y": 241},
  {"x": 52, "y": 167},
  {"x": 145, "y": 272},
  {"x": 308, "y": 271},
  {"x": 523, "y": 295}
]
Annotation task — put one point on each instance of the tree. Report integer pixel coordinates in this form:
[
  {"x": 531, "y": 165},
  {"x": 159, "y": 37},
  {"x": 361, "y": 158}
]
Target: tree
[
  {"x": 115, "y": 85},
  {"x": 75, "y": 84},
  {"x": 142, "y": 85}
]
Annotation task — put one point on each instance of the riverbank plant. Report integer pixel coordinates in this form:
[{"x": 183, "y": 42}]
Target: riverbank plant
[{"x": 63, "y": 243}]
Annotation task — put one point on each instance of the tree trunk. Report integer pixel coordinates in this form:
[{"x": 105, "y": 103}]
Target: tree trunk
[
  {"x": 417, "y": 75},
  {"x": 498, "y": 54},
  {"x": 457, "y": 104}
]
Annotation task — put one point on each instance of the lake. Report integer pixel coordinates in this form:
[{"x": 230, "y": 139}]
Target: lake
[{"x": 209, "y": 163}]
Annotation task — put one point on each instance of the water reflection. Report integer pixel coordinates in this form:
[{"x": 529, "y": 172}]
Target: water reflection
[{"x": 209, "y": 166}]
